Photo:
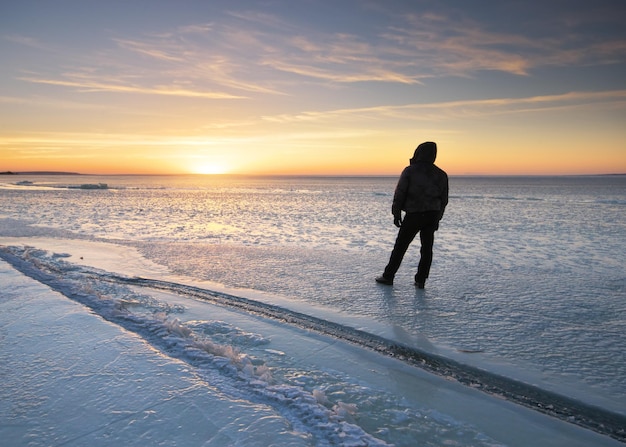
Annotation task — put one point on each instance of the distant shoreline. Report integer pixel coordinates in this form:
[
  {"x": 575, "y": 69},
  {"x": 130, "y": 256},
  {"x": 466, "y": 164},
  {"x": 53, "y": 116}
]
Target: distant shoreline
[{"x": 39, "y": 173}]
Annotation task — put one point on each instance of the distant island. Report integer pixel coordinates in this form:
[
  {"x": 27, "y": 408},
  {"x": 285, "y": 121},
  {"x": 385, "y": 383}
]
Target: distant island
[{"x": 39, "y": 173}]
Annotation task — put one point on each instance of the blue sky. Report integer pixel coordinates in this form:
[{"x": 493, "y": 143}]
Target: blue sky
[{"x": 314, "y": 87}]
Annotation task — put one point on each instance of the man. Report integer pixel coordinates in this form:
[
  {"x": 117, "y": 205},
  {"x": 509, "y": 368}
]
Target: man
[{"x": 422, "y": 193}]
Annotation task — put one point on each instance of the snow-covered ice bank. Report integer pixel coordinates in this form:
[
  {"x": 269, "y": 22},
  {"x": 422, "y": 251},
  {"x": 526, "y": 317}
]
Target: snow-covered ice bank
[
  {"x": 125, "y": 365},
  {"x": 70, "y": 378}
]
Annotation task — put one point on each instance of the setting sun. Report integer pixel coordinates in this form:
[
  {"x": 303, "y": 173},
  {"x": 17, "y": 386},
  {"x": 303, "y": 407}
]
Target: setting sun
[{"x": 210, "y": 168}]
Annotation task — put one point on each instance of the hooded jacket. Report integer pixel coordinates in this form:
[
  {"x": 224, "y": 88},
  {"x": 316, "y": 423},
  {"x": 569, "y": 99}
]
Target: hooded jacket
[{"x": 422, "y": 185}]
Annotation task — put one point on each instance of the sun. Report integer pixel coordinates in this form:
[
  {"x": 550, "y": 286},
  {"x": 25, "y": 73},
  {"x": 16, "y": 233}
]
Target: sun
[{"x": 210, "y": 168}]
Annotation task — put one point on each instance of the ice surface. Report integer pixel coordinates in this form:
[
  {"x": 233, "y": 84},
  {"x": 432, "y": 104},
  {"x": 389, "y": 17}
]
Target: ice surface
[
  {"x": 71, "y": 378},
  {"x": 529, "y": 276},
  {"x": 153, "y": 367}
]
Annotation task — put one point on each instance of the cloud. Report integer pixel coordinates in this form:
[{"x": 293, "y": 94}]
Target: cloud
[
  {"x": 443, "y": 110},
  {"x": 199, "y": 55},
  {"x": 242, "y": 53},
  {"x": 263, "y": 19},
  {"x": 54, "y": 103},
  {"x": 199, "y": 28},
  {"x": 27, "y": 41},
  {"x": 464, "y": 42},
  {"x": 404, "y": 50},
  {"x": 96, "y": 86},
  {"x": 148, "y": 50},
  {"x": 335, "y": 75}
]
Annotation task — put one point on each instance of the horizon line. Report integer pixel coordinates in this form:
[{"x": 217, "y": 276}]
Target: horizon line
[{"x": 300, "y": 175}]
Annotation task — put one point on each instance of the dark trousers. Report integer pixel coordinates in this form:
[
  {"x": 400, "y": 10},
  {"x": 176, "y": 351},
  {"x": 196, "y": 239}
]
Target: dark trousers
[{"x": 425, "y": 224}]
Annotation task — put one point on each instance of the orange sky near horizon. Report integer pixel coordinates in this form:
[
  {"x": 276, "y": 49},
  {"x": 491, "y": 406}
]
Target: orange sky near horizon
[{"x": 323, "y": 89}]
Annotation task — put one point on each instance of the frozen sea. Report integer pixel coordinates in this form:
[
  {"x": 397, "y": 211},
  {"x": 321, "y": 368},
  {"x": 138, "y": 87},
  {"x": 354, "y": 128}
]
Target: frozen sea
[{"x": 247, "y": 306}]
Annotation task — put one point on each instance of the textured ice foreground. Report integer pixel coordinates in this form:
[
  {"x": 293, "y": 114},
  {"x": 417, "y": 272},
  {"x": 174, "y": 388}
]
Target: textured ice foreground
[
  {"x": 147, "y": 367},
  {"x": 529, "y": 271},
  {"x": 71, "y": 378},
  {"x": 529, "y": 277}
]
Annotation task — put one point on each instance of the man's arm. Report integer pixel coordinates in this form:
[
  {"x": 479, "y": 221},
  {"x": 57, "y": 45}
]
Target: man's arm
[
  {"x": 444, "y": 196},
  {"x": 399, "y": 197}
]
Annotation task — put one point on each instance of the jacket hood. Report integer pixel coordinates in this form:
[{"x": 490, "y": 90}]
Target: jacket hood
[{"x": 425, "y": 153}]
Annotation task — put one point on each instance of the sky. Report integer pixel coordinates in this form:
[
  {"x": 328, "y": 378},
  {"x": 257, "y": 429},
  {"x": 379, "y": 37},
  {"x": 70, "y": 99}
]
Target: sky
[{"x": 320, "y": 87}]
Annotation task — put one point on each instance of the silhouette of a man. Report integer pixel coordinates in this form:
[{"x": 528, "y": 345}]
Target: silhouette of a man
[{"x": 422, "y": 193}]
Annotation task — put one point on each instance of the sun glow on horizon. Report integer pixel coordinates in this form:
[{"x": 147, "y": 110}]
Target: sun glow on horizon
[{"x": 210, "y": 169}]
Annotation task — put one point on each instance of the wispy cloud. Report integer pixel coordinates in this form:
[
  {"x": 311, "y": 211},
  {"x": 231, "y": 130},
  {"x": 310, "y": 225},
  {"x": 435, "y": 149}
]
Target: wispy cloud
[
  {"x": 414, "y": 48},
  {"x": 27, "y": 41},
  {"x": 341, "y": 76},
  {"x": 241, "y": 54},
  {"x": 443, "y": 110},
  {"x": 199, "y": 55},
  {"x": 95, "y": 86},
  {"x": 54, "y": 103},
  {"x": 148, "y": 50},
  {"x": 453, "y": 42}
]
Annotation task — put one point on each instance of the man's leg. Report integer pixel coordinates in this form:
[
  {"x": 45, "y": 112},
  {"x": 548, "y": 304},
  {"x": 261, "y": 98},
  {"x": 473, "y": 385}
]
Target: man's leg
[
  {"x": 427, "y": 238},
  {"x": 406, "y": 234}
]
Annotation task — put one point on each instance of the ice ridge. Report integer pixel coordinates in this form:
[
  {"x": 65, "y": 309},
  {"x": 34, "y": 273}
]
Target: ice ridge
[{"x": 573, "y": 411}]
